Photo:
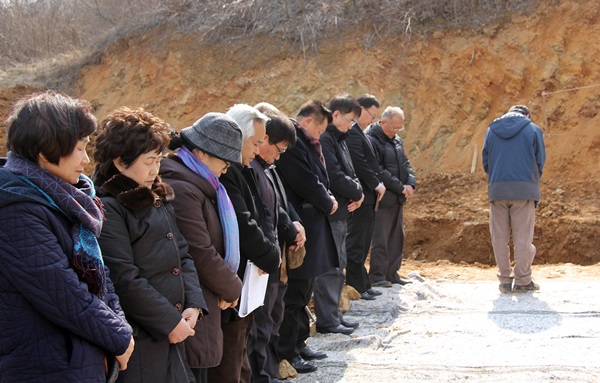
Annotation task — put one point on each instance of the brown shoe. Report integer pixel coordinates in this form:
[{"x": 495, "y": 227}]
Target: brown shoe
[
  {"x": 505, "y": 288},
  {"x": 524, "y": 289}
]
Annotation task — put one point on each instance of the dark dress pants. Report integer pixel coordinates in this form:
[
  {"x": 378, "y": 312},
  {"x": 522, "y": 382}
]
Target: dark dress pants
[
  {"x": 328, "y": 286},
  {"x": 358, "y": 242},
  {"x": 262, "y": 355},
  {"x": 234, "y": 367},
  {"x": 295, "y": 328},
  {"x": 388, "y": 241}
]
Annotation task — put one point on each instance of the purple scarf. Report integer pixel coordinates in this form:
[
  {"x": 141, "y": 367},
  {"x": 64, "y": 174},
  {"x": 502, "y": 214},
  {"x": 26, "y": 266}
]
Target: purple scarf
[
  {"x": 316, "y": 145},
  {"x": 229, "y": 223},
  {"x": 78, "y": 203}
]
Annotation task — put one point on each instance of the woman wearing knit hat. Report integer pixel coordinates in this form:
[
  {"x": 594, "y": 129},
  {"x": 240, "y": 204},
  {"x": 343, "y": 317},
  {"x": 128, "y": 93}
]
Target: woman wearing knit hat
[{"x": 206, "y": 218}]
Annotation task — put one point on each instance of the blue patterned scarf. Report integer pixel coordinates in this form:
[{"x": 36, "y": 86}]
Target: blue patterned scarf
[
  {"x": 78, "y": 203},
  {"x": 229, "y": 223}
]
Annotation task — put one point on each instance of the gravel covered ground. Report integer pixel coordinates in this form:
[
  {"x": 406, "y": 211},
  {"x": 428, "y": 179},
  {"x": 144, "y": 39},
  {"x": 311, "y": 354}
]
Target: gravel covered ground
[{"x": 447, "y": 330}]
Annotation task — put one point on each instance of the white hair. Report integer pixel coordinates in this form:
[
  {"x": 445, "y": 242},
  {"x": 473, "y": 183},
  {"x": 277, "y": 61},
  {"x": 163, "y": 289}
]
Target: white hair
[
  {"x": 245, "y": 115},
  {"x": 392, "y": 111}
]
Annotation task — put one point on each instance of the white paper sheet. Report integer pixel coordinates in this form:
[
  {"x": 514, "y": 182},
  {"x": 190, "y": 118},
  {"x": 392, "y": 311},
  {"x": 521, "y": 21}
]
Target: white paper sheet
[{"x": 253, "y": 291}]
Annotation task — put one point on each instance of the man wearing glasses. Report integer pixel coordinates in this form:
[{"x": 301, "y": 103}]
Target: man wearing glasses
[
  {"x": 302, "y": 170},
  {"x": 262, "y": 346},
  {"x": 361, "y": 224},
  {"x": 347, "y": 191}
]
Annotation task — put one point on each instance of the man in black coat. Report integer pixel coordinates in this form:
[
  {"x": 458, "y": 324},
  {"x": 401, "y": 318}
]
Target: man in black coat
[
  {"x": 258, "y": 242},
  {"x": 346, "y": 189},
  {"x": 302, "y": 170},
  {"x": 361, "y": 224},
  {"x": 262, "y": 345},
  {"x": 400, "y": 182}
]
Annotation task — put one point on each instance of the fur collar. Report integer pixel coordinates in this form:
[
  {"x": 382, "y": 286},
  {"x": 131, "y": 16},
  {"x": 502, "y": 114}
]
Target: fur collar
[{"x": 134, "y": 196}]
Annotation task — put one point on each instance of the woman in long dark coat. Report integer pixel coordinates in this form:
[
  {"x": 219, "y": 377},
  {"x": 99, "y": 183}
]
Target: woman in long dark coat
[{"x": 153, "y": 273}]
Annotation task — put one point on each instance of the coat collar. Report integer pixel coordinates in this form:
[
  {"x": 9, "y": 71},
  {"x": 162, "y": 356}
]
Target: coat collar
[
  {"x": 131, "y": 195},
  {"x": 376, "y": 130},
  {"x": 339, "y": 136}
]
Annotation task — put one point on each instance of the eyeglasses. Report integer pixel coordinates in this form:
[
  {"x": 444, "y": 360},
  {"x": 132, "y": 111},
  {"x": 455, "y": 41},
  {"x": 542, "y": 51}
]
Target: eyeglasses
[
  {"x": 227, "y": 165},
  {"x": 347, "y": 120},
  {"x": 373, "y": 116},
  {"x": 279, "y": 151}
]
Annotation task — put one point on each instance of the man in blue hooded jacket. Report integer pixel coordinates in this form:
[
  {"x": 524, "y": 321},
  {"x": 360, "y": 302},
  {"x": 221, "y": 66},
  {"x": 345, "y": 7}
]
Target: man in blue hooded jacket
[{"x": 513, "y": 157}]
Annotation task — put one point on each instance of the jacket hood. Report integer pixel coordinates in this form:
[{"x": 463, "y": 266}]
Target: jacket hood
[
  {"x": 509, "y": 125},
  {"x": 14, "y": 189}
]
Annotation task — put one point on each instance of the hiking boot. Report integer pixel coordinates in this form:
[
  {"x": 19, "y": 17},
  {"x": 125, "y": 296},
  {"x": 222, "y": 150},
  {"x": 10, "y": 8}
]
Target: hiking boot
[
  {"x": 505, "y": 288},
  {"x": 523, "y": 289}
]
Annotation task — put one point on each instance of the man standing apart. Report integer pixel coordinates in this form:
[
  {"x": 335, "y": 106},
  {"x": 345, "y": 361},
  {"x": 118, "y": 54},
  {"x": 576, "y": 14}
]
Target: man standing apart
[
  {"x": 513, "y": 157},
  {"x": 360, "y": 225},
  {"x": 400, "y": 182}
]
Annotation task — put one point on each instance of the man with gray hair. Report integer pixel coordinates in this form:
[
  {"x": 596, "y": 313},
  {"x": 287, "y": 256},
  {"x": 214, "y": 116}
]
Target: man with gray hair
[
  {"x": 513, "y": 157},
  {"x": 400, "y": 182},
  {"x": 258, "y": 241}
]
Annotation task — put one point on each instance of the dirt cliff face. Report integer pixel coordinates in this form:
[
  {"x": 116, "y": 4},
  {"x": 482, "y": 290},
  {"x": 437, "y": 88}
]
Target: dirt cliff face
[{"x": 450, "y": 84}]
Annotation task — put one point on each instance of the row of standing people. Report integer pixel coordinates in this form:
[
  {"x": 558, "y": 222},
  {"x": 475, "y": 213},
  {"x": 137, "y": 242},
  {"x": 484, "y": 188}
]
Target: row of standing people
[
  {"x": 347, "y": 174},
  {"x": 230, "y": 208}
]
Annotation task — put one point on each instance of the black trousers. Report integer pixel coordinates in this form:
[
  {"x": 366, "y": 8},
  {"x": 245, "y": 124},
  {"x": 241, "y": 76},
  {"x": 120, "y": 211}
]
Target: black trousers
[
  {"x": 295, "y": 328},
  {"x": 262, "y": 343},
  {"x": 358, "y": 242}
]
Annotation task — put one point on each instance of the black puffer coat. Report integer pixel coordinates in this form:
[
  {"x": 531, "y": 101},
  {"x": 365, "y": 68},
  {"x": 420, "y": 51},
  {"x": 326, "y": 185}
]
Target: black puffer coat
[{"x": 395, "y": 167}]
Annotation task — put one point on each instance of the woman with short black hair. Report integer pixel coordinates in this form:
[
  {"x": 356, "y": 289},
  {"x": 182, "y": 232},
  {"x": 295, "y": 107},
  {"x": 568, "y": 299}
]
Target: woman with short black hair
[{"x": 61, "y": 320}]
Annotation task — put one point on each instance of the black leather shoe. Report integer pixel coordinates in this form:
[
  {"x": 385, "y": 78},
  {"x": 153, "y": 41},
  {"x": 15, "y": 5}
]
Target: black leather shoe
[
  {"x": 339, "y": 329},
  {"x": 367, "y": 297},
  {"x": 308, "y": 353},
  {"x": 381, "y": 283},
  {"x": 302, "y": 366},
  {"x": 401, "y": 282},
  {"x": 374, "y": 292},
  {"x": 346, "y": 323}
]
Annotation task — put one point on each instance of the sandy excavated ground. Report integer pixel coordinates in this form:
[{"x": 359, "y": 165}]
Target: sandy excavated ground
[{"x": 452, "y": 325}]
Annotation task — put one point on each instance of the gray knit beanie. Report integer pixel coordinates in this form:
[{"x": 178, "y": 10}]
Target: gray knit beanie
[{"x": 216, "y": 134}]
